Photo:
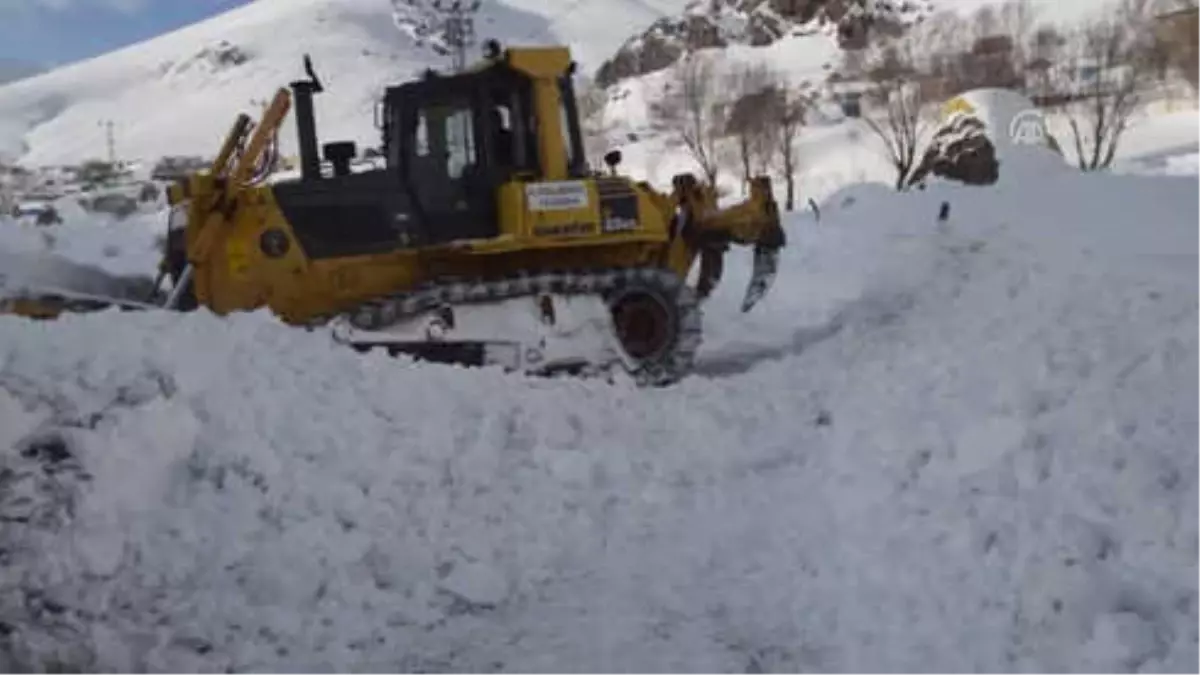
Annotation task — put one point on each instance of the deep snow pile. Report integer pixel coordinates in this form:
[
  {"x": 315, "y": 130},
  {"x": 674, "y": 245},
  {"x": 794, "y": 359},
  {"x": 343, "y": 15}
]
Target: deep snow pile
[
  {"x": 88, "y": 253},
  {"x": 967, "y": 445}
]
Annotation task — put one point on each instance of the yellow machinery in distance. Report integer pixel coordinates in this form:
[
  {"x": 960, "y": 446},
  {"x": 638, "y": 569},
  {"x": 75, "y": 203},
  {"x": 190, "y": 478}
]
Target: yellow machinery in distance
[{"x": 483, "y": 238}]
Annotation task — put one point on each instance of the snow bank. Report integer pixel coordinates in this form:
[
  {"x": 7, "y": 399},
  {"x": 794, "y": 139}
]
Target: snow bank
[
  {"x": 966, "y": 445},
  {"x": 88, "y": 253},
  {"x": 1151, "y": 134},
  {"x": 1168, "y": 164},
  {"x": 121, "y": 247}
]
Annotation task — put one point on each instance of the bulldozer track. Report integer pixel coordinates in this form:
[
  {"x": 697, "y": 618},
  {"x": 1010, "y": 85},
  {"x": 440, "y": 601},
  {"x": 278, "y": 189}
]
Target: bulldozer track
[{"x": 672, "y": 364}]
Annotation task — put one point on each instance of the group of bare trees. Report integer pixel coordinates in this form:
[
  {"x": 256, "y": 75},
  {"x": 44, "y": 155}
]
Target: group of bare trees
[
  {"x": 764, "y": 118},
  {"x": 1093, "y": 75},
  {"x": 896, "y": 101},
  {"x": 1125, "y": 55},
  {"x": 748, "y": 111}
]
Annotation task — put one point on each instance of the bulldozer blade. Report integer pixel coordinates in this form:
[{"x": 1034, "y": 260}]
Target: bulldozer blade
[{"x": 766, "y": 264}]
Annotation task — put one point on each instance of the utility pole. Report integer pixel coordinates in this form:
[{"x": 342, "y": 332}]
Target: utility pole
[
  {"x": 110, "y": 141},
  {"x": 458, "y": 27}
]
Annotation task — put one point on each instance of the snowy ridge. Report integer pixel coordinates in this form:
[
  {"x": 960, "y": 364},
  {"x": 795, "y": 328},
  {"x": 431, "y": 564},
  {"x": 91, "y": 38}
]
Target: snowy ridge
[
  {"x": 978, "y": 432},
  {"x": 178, "y": 93}
]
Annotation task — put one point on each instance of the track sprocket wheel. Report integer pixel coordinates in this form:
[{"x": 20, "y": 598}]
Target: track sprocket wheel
[{"x": 657, "y": 321}]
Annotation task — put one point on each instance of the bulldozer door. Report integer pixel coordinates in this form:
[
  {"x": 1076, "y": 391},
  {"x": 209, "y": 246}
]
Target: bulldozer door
[{"x": 445, "y": 171}]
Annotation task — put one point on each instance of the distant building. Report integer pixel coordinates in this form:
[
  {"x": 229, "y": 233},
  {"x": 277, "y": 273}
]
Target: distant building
[
  {"x": 847, "y": 94},
  {"x": 171, "y": 169}
]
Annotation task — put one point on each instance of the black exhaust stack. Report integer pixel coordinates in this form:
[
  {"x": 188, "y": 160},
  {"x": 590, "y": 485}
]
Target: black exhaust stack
[{"x": 306, "y": 125}]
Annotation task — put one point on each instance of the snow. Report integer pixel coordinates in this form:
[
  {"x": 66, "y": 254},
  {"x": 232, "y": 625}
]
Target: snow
[
  {"x": 956, "y": 446},
  {"x": 1162, "y": 144},
  {"x": 935, "y": 446},
  {"x": 89, "y": 253}
]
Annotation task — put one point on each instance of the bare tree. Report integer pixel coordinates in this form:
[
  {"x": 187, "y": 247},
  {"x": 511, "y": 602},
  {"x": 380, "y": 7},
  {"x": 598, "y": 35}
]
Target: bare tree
[
  {"x": 897, "y": 100},
  {"x": 787, "y": 110},
  {"x": 691, "y": 107},
  {"x": 1112, "y": 51},
  {"x": 749, "y": 119},
  {"x": 946, "y": 35},
  {"x": 985, "y": 23},
  {"x": 988, "y": 48},
  {"x": 1018, "y": 21}
]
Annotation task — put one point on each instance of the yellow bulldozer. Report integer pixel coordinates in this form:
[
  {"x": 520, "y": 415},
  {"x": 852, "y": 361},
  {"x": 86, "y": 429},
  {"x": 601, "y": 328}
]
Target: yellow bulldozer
[{"x": 480, "y": 237}]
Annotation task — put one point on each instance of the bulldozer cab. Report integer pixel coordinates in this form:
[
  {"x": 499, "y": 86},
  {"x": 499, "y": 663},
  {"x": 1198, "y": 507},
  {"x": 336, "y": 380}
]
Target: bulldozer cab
[
  {"x": 454, "y": 140},
  {"x": 453, "y": 146}
]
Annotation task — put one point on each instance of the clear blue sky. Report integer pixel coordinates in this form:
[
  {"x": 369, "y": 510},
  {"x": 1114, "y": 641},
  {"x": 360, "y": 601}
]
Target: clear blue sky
[{"x": 55, "y": 32}]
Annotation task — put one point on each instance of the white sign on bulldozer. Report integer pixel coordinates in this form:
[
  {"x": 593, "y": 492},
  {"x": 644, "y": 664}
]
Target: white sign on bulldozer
[{"x": 557, "y": 195}]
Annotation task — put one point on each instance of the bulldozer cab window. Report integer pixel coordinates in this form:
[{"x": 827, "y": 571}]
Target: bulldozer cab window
[
  {"x": 569, "y": 121},
  {"x": 443, "y": 171},
  {"x": 564, "y": 120},
  {"x": 509, "y": 120},
  {"x": 502, "y": 130},
  {"x": 444, "y": 141}
]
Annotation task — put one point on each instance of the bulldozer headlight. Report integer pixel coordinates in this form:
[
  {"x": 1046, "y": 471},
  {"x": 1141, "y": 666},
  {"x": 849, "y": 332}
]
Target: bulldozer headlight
[{"x": 274, "y": 243}]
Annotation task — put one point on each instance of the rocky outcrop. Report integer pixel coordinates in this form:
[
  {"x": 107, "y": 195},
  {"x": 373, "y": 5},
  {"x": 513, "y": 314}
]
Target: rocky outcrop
[
  {"x": 420, "y": 22},
  {"x": 214, "y": 58},
  {"x": 961, "y": 151},
  {"x": 758, "y": 23},
  {"x": 662, "y": 44}
]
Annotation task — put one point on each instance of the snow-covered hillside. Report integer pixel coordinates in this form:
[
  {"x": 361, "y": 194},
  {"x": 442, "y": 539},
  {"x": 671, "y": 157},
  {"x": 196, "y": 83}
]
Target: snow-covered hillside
[
  {"x": 958, "y": 446},
  {"x": 178, "y": 93}
]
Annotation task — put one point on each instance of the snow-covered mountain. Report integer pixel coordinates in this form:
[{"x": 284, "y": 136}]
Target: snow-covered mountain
[
  {"x": 707, "y": 24},
  {"x": 177, "y": 93}
]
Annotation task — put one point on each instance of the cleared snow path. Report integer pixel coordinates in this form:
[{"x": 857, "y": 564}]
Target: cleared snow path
[{"x": 937, "y": 447}]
